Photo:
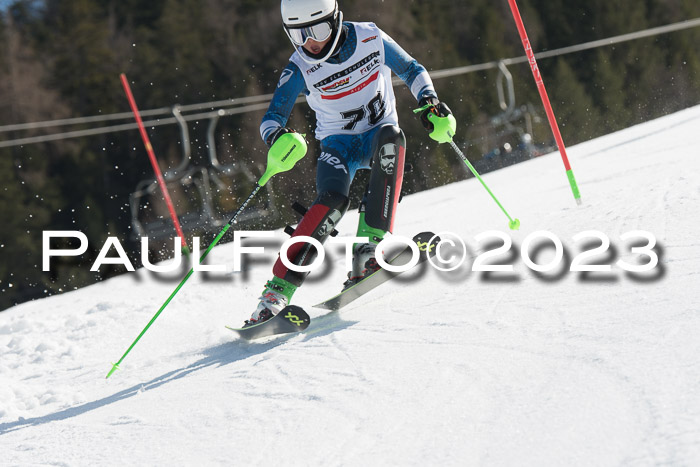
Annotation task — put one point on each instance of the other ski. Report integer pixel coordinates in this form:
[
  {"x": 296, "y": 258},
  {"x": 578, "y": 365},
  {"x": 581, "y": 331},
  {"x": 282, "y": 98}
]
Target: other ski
[{"x": 425, "y": 245}]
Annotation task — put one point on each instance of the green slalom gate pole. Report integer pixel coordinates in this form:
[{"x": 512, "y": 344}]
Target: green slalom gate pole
[{"x": 291, "y": 148}]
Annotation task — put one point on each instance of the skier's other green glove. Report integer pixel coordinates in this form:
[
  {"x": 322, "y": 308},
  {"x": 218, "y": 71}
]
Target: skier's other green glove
[{"x": 437, "y": 118}]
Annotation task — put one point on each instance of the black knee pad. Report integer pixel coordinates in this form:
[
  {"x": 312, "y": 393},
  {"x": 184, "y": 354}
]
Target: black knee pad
[
  {"x": 318, "y": 223},
  {"x": 384, "y": 189}
]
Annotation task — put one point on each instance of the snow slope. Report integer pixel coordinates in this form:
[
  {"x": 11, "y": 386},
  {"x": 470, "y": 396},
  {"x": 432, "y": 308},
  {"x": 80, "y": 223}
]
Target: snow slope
[{"x": 444, "y": 369}]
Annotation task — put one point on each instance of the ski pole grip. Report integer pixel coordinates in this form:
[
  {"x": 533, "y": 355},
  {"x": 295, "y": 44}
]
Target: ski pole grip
[{"x": 289, "y": 149}]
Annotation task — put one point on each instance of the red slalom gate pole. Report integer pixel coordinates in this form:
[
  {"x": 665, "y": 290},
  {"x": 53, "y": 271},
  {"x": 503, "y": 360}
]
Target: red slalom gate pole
[
  {"x": 154, "y": 162},
  {"x": 545, "y": 99}
]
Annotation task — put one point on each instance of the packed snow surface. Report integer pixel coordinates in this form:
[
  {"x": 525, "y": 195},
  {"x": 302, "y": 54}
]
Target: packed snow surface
[{"x": 451, "y": 368}]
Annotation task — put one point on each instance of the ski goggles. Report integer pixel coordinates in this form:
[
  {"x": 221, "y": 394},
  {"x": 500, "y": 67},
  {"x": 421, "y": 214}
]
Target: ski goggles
[{"x": 318, "y": 32}]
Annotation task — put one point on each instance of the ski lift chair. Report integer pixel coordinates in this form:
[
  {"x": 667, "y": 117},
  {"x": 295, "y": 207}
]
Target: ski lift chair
[{"x": 218, "y": 171}]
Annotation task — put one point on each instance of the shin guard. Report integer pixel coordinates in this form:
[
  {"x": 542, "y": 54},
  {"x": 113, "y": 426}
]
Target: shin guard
[
  {"x": 317, "y": 223},
  {"x": 384, "y": 190}
]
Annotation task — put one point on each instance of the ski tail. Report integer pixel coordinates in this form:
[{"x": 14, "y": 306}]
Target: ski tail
[{"x": 290, "y": 319}]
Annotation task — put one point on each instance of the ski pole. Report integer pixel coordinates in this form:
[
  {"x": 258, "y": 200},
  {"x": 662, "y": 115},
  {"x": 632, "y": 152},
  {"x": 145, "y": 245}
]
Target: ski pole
[
  {"x": 154, "y": 163},
  {"x": 447, "y": 126},
  {"x": 514, "y": 224},
  {"x": 293, "y": 148},
  {"x": 545, "y": 99}
]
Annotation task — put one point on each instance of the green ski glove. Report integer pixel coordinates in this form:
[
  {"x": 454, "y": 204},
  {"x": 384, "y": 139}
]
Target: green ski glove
[
  {"x": 287, "y": 149},
  {"x": 437, "y": 118}
]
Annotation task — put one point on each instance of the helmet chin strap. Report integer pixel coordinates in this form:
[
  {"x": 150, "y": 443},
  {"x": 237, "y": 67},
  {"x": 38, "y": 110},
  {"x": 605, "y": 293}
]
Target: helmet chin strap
[{"x": 315, "y": 61}]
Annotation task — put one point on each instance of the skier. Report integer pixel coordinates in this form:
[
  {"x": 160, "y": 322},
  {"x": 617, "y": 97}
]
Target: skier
[{"x": 344, "y": 69}]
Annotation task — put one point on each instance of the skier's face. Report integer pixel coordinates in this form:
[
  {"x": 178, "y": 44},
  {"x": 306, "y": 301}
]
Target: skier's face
[{"x": 315, "y": 47}]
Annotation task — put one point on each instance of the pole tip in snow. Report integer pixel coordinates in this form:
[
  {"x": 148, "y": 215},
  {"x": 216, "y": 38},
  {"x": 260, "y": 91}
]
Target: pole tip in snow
[
  {"x": 114, "y": 368},
  {"x": 514, "y": 224},
  {"x": 579, "y": 202}
]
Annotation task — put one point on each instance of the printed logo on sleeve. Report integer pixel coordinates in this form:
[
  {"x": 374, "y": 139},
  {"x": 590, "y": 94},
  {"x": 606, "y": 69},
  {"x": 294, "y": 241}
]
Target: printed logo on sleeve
[{"x": 286, "y": 75}]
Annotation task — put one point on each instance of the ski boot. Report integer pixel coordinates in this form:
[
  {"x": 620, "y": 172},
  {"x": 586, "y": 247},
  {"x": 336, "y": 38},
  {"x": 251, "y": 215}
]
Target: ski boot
[
  {"x": 364, "y": 263},
  {"x": 274, "y": 298}
]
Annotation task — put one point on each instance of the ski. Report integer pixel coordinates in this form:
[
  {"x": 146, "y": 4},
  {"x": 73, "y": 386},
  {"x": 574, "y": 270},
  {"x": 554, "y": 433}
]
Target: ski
[
  {"x": 426, "y": 247},
  {"x": 291, "y": 319}
]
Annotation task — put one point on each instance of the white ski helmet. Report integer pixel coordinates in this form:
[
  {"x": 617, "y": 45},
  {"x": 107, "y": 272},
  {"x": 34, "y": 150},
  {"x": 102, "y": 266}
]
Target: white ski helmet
[{"x": 312, "y": 19}]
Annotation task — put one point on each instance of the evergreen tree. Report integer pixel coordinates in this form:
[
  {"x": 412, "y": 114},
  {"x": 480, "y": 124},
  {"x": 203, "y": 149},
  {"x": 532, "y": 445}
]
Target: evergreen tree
[
  {"x": 84, "y": 68},
  {"x": 62, "y": 59},
  {"x": 578, "y": 117},
  {"x": 607, "y": 85}
]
